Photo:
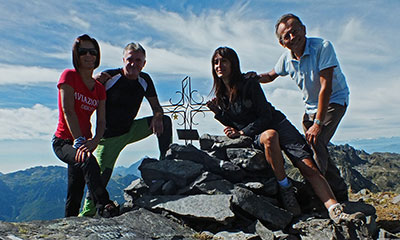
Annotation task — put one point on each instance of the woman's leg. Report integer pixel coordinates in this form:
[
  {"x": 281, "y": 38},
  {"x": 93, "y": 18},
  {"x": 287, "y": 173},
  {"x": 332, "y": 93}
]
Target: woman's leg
[
  {"x": 273, "y": 153},
  {"x": 76, "y": 184},
  {"x": 78, "y": 174}
]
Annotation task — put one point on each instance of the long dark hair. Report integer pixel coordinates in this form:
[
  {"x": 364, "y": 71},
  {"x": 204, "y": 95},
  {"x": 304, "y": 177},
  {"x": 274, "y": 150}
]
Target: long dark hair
[
  {"x": 219, "y": 88},
  {"x": 75, "y": 47}
]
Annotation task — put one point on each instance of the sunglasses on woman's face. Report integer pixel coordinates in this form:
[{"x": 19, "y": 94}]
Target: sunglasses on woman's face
[{"x": 84, "y": 51}]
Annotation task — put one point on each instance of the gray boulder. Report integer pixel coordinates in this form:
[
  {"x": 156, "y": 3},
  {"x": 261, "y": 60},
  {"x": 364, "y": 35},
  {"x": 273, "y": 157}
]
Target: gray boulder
[
  {"x": 202, "y": 207},
  {"x": 261, "y": 208},
  {"x": 324, "y": 229},
  {"x": 263, "y": 232},
  {"x": 203, "y": 178},
  {"x": 267, "y": 187},
  {"x": 248, "y": 158},
  {"x": 217, "y": 166},
  {"x": 191, "y": 153},
  {"x": 179, "y": 171}
]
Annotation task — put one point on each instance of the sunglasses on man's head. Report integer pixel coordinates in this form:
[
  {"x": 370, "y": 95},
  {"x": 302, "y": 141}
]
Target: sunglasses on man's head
[{"x": 84, "y": 51}]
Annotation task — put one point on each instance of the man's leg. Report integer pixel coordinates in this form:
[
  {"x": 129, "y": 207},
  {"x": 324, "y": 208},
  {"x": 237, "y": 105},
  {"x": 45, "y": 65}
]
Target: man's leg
[
  {"x": 297, "y": 150},
  {"x": 107, "y": 153},
  {"x": 325, "y": 164},
  {"x": 165, "y": 139},
  {"x": 319, "y": 184},
  {"x": 91, "y": 171},
  {"x": 321, "y": 187}
]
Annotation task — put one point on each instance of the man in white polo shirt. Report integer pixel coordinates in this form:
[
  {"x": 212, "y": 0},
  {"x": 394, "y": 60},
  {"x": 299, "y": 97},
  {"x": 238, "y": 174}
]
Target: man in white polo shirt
[{"x": 312, "y": 64}]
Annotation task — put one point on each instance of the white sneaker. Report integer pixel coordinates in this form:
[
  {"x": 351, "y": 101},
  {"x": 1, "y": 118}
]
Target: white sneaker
[{"x": 337, "y": 215}]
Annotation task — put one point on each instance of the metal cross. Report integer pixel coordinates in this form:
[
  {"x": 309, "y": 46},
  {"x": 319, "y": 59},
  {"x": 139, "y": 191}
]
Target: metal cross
[{"x": 186, "y": 108}]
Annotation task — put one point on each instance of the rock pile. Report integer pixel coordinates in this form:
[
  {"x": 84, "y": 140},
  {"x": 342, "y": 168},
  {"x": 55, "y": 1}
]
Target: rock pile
[{"x": 227, "y": 190}]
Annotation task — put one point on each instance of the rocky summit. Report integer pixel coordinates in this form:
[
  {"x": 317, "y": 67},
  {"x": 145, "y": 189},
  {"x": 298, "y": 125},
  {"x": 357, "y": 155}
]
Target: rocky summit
[{"x": 224, "y": 190}]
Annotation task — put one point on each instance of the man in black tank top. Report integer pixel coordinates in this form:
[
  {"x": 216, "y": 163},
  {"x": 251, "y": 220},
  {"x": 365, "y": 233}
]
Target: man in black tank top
[{"x": 126, "y": 88}]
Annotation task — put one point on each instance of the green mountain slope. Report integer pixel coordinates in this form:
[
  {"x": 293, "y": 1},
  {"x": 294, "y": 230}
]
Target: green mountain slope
[{"x": 39, "y": 193}]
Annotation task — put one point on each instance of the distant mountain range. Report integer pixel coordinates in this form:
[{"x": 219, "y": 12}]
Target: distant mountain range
[
  {"x": 133, "y": 169},
  {"x": 39, "y": 193},
  {"x": 375, "y": 144}
]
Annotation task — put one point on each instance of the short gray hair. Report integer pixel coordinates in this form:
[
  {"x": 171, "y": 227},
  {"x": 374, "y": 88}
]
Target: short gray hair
[{"x": 136, "y": 47}]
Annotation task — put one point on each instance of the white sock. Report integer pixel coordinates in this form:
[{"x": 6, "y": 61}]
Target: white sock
[
  {"x": 332, "y": 206},
  {"x": 284, "y": 183}
]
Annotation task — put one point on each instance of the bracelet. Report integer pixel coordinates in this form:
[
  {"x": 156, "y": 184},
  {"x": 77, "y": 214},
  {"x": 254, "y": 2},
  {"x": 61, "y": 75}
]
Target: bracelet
[{"x": 79, "y": 141}]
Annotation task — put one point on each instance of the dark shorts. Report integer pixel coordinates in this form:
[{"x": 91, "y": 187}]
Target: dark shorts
[{"x": 291, "y": 141}]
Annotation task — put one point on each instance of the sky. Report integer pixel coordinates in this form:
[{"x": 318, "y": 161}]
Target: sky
[{"x": 179, "y": 37}]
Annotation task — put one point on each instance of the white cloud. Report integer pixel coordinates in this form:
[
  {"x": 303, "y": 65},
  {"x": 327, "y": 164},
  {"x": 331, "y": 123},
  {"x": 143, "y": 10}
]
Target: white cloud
[
  {"x": 111, "y": 56},
  {"x": 76, "y": 20},
  {"x": 18, "y": 74},
  {"x": 189, "y": 40},
  {"x": 38, "y": 122},
  {"x": 360, "y": 43},
  {"x": 164, "y": 61}
]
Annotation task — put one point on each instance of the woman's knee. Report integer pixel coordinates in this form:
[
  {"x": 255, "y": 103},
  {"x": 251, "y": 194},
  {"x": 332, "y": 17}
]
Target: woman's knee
[{"x": 269, "y": 138}]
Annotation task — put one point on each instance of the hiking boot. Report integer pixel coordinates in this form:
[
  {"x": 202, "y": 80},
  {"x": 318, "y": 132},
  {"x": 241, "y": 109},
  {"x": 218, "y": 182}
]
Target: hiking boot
[
  {"x": 338, "y": 215},
  {"x": 89, "y": 209},
  {"x": 109, "y": 210},
  {"x": 289, "y": 200}
]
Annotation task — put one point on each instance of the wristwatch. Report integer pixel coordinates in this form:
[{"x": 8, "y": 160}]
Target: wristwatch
[{"x": 318, "y": 122}]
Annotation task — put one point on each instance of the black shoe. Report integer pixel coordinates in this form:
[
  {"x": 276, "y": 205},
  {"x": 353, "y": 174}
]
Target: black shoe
[
  {"x": 109, "y": 210},
  {"x": 289, "y": 200}
]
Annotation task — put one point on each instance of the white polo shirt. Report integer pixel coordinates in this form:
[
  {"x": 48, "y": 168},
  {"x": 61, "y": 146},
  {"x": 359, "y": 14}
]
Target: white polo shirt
[{"x": 318, "y": 55}]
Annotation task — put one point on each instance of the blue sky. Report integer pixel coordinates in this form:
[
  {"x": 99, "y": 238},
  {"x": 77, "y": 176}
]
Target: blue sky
[{"x": 180, "y": 37}]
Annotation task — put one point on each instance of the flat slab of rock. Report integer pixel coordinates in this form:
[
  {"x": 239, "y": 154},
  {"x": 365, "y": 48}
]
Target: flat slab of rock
[
  {"x": 205, "y": 207},
  {"x": 210, "y": 142},
  {"x": 139, "y": 224},
  {"x": 225, "y": 235}
]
